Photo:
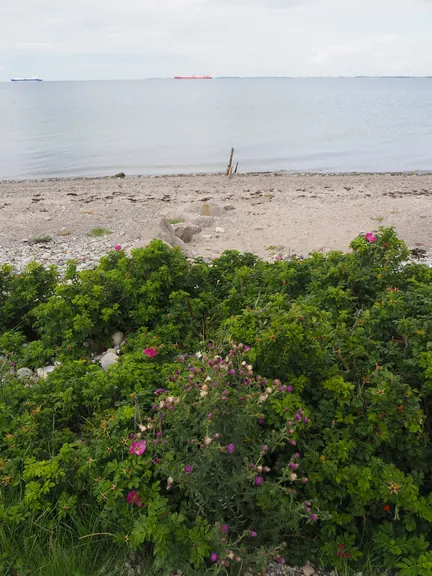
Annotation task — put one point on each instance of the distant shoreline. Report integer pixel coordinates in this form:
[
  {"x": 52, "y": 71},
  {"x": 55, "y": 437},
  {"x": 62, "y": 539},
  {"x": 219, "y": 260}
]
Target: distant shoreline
[{"x": 8, "y": 81}]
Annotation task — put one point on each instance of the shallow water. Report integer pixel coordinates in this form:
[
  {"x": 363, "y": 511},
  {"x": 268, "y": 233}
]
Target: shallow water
[{"x": 60, "y": 129}]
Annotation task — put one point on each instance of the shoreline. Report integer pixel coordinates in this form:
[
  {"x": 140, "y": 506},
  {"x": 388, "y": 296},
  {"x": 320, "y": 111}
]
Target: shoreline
[
  {"x": 275, "y": 173},
  {"x": 269, "y": 214}
]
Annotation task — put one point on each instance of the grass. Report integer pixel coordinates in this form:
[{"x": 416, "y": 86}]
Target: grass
[
  {"x": 176, "y": 221},
  {"x": 41, "y": 239},
  {"x": 378, "y": 218},
  {"x": 98, "y": 232}
]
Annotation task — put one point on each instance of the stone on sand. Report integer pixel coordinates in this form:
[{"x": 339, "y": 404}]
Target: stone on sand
[
  {"x": 212, "y": 209},
  {"x": 117, "y": 338},
  {"x": 186, "y": 232}
]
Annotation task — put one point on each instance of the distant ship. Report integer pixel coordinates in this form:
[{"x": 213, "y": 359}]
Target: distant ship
[
  {"x": 31, "y": 79},
  {"x": 199, "y": 77}
]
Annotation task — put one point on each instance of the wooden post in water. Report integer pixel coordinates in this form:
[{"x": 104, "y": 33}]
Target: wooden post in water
[{"x": 229, "y": 167}]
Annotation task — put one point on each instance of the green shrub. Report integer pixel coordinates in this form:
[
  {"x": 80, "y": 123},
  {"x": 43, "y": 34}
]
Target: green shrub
[{"x": 337, "y": 425}]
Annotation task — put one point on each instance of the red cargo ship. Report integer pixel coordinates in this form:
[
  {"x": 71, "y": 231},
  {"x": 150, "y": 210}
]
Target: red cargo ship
[{"x": 199, "y": 77}]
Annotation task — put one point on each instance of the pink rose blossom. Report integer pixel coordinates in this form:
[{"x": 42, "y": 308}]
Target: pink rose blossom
[
  {"x": 252, "y": 534},
  {"x": 117, "y": 247},
  {"x": 134, "y": 498},
  {"x": 225, "y": 528},
  {"x": 230, "y": 448},
  {"x": 259, "y": 480},
  {"x": 138, "y": 448},
  {"x": 370, "y": 237},
  {"x": 214, "y": 557},
  {"x": 265, "y": 449},
  {"x": 188, "y": 469},
  {"x": 150, "y": 352}
]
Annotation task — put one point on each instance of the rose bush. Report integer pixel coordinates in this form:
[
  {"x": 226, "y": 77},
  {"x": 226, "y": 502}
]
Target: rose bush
[{"x": 310, "y": 441}]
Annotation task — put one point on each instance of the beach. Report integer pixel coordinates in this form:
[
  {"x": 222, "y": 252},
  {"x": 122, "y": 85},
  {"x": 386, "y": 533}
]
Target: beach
[{"x": 53, "y": 221}]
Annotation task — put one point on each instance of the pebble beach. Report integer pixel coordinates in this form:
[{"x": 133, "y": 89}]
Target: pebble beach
[{"x": 271, "y": 215}]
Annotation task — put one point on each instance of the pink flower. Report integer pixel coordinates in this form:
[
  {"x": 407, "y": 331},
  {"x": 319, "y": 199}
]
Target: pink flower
[
  {"x": 134, "y": 498},
  {"x": 265, "y": 449},
  {"x": 117, "y": 247},
  {"x": 281, "y": 560},
  {"x": 252, "y": 534},
  {"x": 313, "y": 517},
  {"x": 150, "y": 352},
  {"x": 188, "y": 469},
  {"x": 230, "y": 448},
  {"x": 138, "y": 448},
  {"x": 370, "y": 237},
  {"x": 225, "y": 528},
  {"x": 290, "y": 388},
  {"x": 214, "y": 557},
  {"x": 259, "y": 480}
]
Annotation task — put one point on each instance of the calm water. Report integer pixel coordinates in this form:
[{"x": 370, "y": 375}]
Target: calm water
[{"x": 166, "y": 126}]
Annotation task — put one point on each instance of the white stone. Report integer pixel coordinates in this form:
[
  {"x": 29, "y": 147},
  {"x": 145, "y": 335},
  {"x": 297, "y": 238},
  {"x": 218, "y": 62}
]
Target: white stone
[
  {"x": 43, "y": 372},
  {"x": 24, "y": 373},
  {"x": 219, "y": 230},
  {"x": 108, "y": 360},
  {"x": 117, "y": 338}
]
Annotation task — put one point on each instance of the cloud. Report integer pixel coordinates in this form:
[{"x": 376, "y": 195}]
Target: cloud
[{"x": 70, "y": 39}]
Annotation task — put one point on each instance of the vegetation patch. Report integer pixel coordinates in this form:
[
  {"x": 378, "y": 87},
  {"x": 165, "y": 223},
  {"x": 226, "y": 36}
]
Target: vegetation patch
[
  {"x": 99, "y": 232},
  {"x": 258, "y": 412}
]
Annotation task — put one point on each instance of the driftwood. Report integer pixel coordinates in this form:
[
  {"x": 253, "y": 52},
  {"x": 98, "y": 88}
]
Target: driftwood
[{"x": 229, "y": 167}]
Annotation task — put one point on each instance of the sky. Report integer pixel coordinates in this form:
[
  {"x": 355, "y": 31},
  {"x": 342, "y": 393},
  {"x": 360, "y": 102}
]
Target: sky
[{"x": 122, "y": 39}]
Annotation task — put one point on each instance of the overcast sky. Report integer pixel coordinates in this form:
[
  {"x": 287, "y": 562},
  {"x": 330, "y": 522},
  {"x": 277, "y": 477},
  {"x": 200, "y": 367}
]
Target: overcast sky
[{"x": 103, "y": 39}]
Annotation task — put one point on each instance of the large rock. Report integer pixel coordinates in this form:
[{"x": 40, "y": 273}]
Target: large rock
[
  {"x": 186, "y": 232},
  {"x": 212, "y": 209},
  {"x": 108, "y": 360},
  {"x": 43, "y": 372},
  {"x": 24, "y": 373},
  {"x": 165, "y": 232}
]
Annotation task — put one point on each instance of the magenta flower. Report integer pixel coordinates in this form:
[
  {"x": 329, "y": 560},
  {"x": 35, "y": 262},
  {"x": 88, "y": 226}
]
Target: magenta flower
[
  {"x": 150, "y": 352},
  {"x": 231, "y": 372},
  {"x": 225, "y": 528},
  {"x": 252, "y": 534},
  {"x": 230, "y": 448},
  {"x": 297, "y": 455},
  {"x": 313, "y": 517},
  {"x": 281, "y": 560},
  {"x": 117, "y": 247},
  {"x": 138, "y": 448},
  {"x": 188, "y": 469},
  {"x": 259, "y": 480},
  {"x": 293, "y": 466},
  {"x": 298, "y": 417},
  {"x": 305, "y": 419},
  {"x": 265, "y": 449},
  {"x": 290, "y": 388},
  {"x": 370, "y": 237},
  {"x": 214, "y": 557},
  {"x": 134, "y": 498},
  {"x": 293, "y": 443},
  {"x": 260, "y": 421}
]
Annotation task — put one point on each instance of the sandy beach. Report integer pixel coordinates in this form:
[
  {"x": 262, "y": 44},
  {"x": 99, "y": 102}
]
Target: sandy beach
[{"x": 266, "y": 214}]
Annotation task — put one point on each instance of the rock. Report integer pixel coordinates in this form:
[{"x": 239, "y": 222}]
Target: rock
[
  {"x": 211, "y": 209},
  {"x": 220, "y": 230},
  {"x": 24, "y": 373},
  {"x": 204, "y": 221},
  {"x": 120, "y": 175},
  {"x": 43, "y": 372},
  {"x": 308, "y": 569},
  {"x": 117, "y": 338},
  {"x": 108, "y": 360},
  {"x": 229, "y": 207},
  {"x": 186, "y": 232}
]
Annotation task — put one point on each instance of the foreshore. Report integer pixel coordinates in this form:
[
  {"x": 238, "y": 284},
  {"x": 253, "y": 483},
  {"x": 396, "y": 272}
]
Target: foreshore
[{"x": 268, "y": 214}]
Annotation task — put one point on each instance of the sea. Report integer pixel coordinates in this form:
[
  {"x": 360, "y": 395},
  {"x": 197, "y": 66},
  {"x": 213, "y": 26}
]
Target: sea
[{"x": 153, "y": 127}]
